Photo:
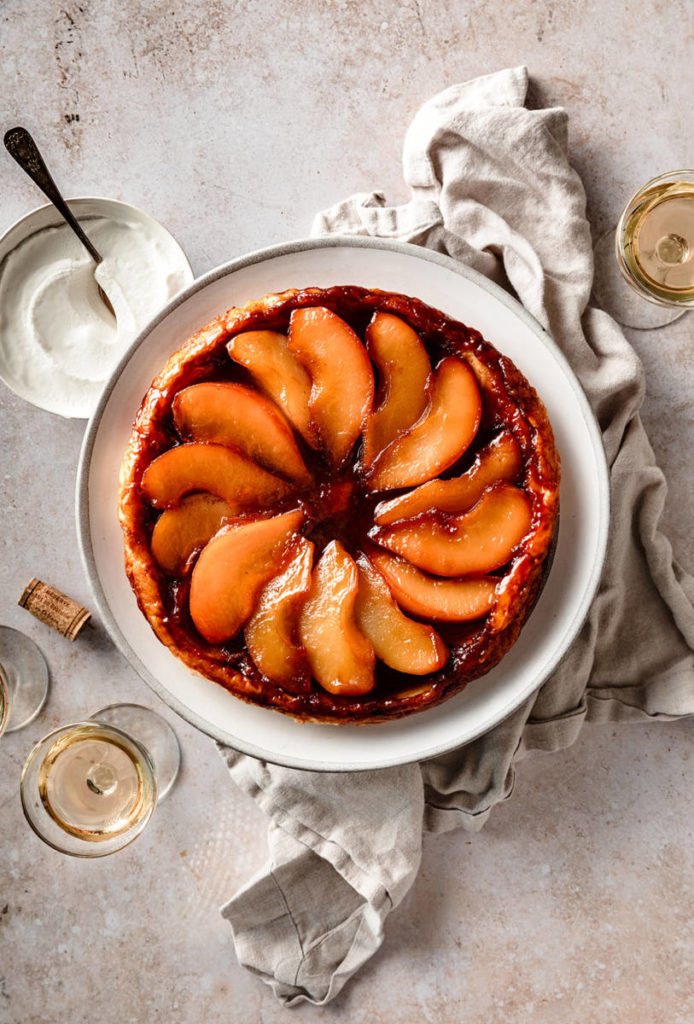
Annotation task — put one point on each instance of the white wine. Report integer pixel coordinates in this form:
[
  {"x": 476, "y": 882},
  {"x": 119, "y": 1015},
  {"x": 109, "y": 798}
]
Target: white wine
[
  {"x": 655, "y": 241},
  {"x": 94, "y": 784},
  {"x": 88, "y": 789}
]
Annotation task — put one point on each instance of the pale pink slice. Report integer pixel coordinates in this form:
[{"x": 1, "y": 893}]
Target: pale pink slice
[
  {"x": 499, "y": 460},
  {"x": 181, "y": 531},
  {"x": 231, "y": 414},
  {"x": 272, "y": 631},
  {"x": 277, "y": 373},
  {"x": 440, "y": 436},
  {"x": 431, "y": 598},
  {"x": 233, "y": 568},
  {"x": 341, "y": 658},
  {"x": 216, "y": 469},
  {"x": 470, "y": 544},
  {"x": 341, "y": 377},
  {"x": 405, "y": 645},
  {"x": 405, "y": 371}
]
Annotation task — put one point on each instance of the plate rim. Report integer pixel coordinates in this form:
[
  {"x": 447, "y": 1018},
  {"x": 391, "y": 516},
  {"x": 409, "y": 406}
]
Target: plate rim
[{"x": 289, "y": 248}]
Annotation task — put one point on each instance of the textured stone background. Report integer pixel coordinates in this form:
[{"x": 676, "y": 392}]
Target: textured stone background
[{"x": 232, "y": 123}]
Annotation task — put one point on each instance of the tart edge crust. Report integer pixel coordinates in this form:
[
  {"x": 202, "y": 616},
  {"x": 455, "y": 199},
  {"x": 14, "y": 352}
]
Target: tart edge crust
[{"x": 516, "y": 596}]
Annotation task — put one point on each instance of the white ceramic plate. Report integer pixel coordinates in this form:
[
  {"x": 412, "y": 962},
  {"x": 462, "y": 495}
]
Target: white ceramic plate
[{"x": 572, "y": 581}]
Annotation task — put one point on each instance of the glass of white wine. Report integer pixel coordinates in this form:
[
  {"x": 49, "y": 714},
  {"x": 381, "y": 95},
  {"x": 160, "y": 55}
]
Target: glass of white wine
[
  {"x": 23, "y": 680},
  {"x": 89, "y": 789},
  {"x": 654, "y": 249}
]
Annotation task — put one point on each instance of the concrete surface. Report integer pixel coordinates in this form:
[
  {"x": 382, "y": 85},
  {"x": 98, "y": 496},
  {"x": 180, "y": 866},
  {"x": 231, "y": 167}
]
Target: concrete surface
[{"x": 232, "y": 123}]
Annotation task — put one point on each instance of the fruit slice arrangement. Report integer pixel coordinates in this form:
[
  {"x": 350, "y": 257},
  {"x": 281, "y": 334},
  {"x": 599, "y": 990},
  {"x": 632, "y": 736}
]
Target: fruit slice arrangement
[{"x": 339, "y": 504}]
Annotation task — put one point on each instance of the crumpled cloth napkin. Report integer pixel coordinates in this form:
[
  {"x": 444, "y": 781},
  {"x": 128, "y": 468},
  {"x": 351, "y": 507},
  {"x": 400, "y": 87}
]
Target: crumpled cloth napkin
[{"x": 491, "y": 186}]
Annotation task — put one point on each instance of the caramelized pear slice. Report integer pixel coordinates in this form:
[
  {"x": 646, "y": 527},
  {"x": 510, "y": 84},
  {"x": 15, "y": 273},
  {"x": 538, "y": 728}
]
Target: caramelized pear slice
[
  {"x": 400, "y": 642},
  {"x": 181, "y": 531},
  {"x": 277, "y": 373},
  {"x": 470, "y": 544},
  {"x": 340, "y": 656},
  {"x": 199, "y": 466},
  {"x": 271, "y": 632},
  {"x": 430, "y": 598},
  {"x": 341, "y": 376},
  {"x": 405, "y": 371},
  {"x": 232, "y": 414},
  {"x": 499, "y": 460},
  {"x": 233, "y": 568},
  {"x": 439, "y": 437}
]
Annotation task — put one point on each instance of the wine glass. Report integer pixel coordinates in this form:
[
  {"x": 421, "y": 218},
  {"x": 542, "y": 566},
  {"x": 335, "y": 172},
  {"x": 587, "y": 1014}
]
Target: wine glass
[
  {"x": 4, "y": 704},
  {"x": 650, "y": 255},
  {"x": 89, "y": 789},
  {"x": 23, "y": 679}
]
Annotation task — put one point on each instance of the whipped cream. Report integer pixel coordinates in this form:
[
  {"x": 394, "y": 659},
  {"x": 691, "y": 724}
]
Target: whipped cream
[{"x": 59, "y": 342}]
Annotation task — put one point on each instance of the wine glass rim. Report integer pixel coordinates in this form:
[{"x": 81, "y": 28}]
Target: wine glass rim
[
  {"x": 15, "y": 647},
  {"x": 681, "y": 174},
  {"x": 93, "y": 724},
  {"x": 92, "y": 851},
  {"x": 4, "y": 700}
]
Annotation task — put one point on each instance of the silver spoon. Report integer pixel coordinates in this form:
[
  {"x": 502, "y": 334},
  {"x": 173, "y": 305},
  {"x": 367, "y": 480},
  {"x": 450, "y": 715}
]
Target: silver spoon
[{"x": 20, "y": 145}]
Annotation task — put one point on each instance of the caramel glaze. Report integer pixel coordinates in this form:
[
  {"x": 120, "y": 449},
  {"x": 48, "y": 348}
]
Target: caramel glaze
[{"x": 341, "y": 507}]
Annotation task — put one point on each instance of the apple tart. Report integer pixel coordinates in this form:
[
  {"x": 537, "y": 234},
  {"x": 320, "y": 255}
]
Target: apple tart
[{"x": 339, "y": 503}]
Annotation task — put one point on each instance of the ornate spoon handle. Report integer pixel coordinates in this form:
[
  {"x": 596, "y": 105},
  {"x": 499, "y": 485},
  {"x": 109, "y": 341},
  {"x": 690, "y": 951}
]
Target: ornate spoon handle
[{"x": 20, "y": 145}]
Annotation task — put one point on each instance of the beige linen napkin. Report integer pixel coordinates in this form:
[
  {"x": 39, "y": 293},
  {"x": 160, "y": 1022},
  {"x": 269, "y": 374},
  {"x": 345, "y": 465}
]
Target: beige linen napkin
[{"x": 491, "y": 186}]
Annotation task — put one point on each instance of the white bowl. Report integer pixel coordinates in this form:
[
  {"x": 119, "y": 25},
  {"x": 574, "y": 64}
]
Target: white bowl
[
  {"x": 572, "y": 581},
  {"x": 84, "y": 209}
]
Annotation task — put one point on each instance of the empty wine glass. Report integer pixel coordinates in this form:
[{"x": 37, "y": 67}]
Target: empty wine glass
[
  {"x": 89, "y": 788},
  {"x": 23, "y": 680},
  {"x": 650, "y": 255}
]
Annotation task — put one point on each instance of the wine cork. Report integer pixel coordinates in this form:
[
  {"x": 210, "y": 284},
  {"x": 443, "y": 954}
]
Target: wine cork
[{"x": 54, "y": 608}]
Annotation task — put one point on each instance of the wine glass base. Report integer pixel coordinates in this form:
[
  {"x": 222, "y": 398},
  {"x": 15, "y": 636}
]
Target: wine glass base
[
  {"x": 154, "y": 733},
  {"x": 26, "y": 675},
  {"x": 619, "y": 299}
]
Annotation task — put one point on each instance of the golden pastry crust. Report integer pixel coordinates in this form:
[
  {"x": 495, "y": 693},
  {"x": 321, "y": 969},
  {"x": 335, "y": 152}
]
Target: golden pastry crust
[{"x": 509, "y": 403}]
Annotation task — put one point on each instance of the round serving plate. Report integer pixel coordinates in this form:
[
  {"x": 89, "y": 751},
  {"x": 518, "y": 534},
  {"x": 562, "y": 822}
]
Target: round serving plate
[{"x": 573, "y": 579}]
